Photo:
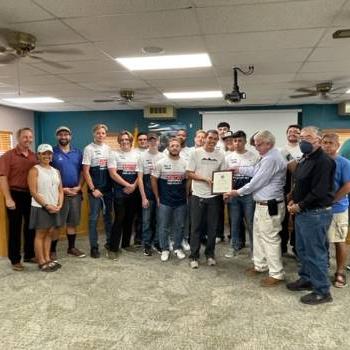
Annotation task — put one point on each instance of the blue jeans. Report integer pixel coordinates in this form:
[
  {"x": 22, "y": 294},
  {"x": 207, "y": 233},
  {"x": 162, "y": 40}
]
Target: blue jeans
[
  {"x": 241, "y": 207},
  {"x": 311, "y": 227},
  {"x": 149, "y": 225},
  {"x": 176, "y": 216},
  {"x": 96, "y": 204}
]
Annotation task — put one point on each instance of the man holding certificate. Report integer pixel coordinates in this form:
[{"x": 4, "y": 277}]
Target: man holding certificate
[
  {"x": 266, "y": 185},
  {"x": 205, "y": 204}
]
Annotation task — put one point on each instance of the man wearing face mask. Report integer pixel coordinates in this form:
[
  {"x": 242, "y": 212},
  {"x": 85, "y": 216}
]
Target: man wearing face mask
[{"x": 311, "y": 200}]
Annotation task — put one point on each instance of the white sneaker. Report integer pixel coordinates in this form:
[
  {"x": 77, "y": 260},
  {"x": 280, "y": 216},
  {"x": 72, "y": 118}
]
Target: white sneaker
[
  {"x": 171, "y": 245},
  {"x": 165, "y": 255},
  {"x": 194, "y": 264},
  {"x": 185, "y": 246},
  {"x": 180, "y": 254},
  {"x": 211, "y": 262}
]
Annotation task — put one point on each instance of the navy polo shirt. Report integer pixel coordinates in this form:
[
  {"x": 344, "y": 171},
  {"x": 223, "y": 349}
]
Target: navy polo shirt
[{"x": 69, "y": 165}]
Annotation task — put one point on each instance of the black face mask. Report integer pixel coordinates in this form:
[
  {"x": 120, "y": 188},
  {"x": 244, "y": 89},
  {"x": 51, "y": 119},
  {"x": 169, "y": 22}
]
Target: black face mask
[{"x": 306, "y": 147}]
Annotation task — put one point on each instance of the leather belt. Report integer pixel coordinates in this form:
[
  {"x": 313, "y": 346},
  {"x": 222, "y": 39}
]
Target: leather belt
[
  {"x": 265, "y": 202},
  {"x": 18, "y": 189}
]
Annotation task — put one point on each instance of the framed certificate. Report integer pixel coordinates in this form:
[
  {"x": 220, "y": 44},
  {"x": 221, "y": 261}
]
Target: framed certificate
[{"x": 222, "y": 181}]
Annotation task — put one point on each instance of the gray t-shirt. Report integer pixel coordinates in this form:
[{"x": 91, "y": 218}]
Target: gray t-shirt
[{"x": 204, "y": 163}]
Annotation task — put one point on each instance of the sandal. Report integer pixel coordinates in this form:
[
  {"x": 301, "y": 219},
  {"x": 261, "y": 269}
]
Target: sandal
[
  {"x": 54, "y": 265},
  {"x": 46, "y": 268},
  {"x": 339, "y": 280}
]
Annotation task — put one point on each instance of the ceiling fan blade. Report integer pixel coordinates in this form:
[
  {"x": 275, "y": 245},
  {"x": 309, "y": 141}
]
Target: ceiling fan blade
[
  {"x": 8, "y": 58},
  {"x": 338, "y": 88},
  {"x": 303, "y": 95},
  {"x": 306, "y": 90},
  {"x": 104, "y": 100},
  {"x": 50, "y": 63},
  {"x": 71, "y": 51}
]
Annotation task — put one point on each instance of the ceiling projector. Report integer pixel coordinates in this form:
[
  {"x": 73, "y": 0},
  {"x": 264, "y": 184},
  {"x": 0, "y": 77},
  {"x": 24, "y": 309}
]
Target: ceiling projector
[{"x": 235, "y": 96}]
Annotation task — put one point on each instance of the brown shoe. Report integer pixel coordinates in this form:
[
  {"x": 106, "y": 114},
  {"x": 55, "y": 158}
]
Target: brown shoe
[
  {"x": 252, "y": 272},
  {"x": 17, "y": 267},
  {"x": 270, "y": 282},
  {"x": 76, "y": 252}
]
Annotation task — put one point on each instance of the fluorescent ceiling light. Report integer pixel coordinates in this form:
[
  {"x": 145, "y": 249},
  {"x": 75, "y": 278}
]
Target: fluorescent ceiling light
[
  {"x": 29, "y": 100},
  {"x": 165, "y": 62},
  {"x": 347, "y": 91},
  {"x": 193, "y": 95}
]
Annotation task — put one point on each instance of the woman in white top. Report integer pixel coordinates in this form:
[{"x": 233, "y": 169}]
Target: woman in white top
[{"x": 47, "y": 197}]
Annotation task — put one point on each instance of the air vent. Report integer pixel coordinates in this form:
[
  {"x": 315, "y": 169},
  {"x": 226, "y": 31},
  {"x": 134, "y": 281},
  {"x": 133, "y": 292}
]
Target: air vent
[{"x": 159, "y": 112}]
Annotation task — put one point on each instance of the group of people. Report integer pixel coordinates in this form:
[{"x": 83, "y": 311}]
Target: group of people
[{"x": 297, "y": 194}]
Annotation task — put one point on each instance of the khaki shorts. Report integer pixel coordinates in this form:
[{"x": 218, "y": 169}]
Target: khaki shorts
[{"x": 338, "y": 230}]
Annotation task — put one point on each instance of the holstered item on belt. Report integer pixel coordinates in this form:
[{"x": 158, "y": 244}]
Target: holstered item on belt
[{"x": 272, "y": 207}]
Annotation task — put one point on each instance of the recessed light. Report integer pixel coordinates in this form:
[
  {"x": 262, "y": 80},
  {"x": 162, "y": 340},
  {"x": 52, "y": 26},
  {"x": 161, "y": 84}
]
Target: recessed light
[
  {"x": 347, "y": 91},
  {"x": 152, "y": 50},
  {"x": 193, "y": 95},
  {"x": 341, "y": 34},
  {"x": 165, "y": 62},
  {"x": 29, "y": 100}
]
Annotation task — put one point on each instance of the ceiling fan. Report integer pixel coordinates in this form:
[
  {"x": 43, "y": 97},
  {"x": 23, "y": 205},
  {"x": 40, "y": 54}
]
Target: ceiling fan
[
  {"x": 126, "y": 96},
  {"x": 325, "y": 90},
  {"x": 17, "y": 45}
]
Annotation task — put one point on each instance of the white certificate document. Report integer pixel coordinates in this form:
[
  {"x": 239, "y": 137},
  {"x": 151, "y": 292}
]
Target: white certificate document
[{"x": 222, "y": 181}]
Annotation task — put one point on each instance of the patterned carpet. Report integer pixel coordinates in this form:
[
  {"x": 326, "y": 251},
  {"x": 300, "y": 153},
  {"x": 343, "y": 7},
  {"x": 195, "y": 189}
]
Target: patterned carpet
[{"x": 138, "y": 302}]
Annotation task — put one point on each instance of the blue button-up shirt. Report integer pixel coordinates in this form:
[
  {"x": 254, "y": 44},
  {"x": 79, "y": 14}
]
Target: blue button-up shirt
[
  {"x": 69, "y": 165},
  {"x": 268, "y": 177}
]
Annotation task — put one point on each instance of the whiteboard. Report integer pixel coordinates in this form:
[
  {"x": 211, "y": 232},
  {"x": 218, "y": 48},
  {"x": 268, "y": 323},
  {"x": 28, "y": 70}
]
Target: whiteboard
[{"x": 276, "y": 121}]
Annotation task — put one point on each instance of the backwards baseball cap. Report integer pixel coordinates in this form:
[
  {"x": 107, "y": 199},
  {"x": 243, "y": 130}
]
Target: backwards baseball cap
[
  {"x": 152, "y": 135},
  {"x": 44, "y": 147},
  {"x": 227, "y": 135},
  {"x": 63, "y": 128}
]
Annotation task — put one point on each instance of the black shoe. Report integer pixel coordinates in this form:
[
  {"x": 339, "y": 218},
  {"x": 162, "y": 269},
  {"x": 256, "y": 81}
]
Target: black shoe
[
  {"x": 94, "y": 253},
  {"x": 315, "y": 299},
  {"x": 147, "y": 251},
  {"x": 107, "y": 246},
  {"x": 348, "y": 267},
  {"x": 299, "y": 285},
  {"x": 157, "y": 248}
]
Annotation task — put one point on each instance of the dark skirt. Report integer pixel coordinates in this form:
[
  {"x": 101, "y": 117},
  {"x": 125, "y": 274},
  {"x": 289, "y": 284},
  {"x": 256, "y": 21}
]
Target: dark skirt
[{"x": 41, "y": 219}]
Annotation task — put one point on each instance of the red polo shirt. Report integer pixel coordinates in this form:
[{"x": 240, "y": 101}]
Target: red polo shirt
[{"x": 15, "y": 165}]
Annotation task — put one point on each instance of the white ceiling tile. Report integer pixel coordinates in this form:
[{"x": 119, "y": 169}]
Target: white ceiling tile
[
  {"x": 87, "y": 52},
  {"x": 210, "y": 3},
  {"x": 125, "y": 47},
  {"x": 20, "y": 11},
  {"x": 91, "y": 8},
  {"x": 102, "y": 65},
  {"x": 268, "y": 68},
  {"x": 327, "y": 53},
  {"x": 269, "y": 16},
  {"x": 264, "y": 56},
  {"x": 176, "y": 73},
  {"x": 96, "y": 76},
  {"x": 183, "y": 84},
  {"x": 157, "y": 24},
  {"x": 263, "y": 40},
  {"x": 326, "y": 66},
  {"x": 343, "y": 16}
]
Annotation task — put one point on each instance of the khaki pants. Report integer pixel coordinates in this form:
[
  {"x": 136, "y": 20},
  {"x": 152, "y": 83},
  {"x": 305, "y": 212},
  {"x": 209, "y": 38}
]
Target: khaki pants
[{"x": 267, "y": 254}]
